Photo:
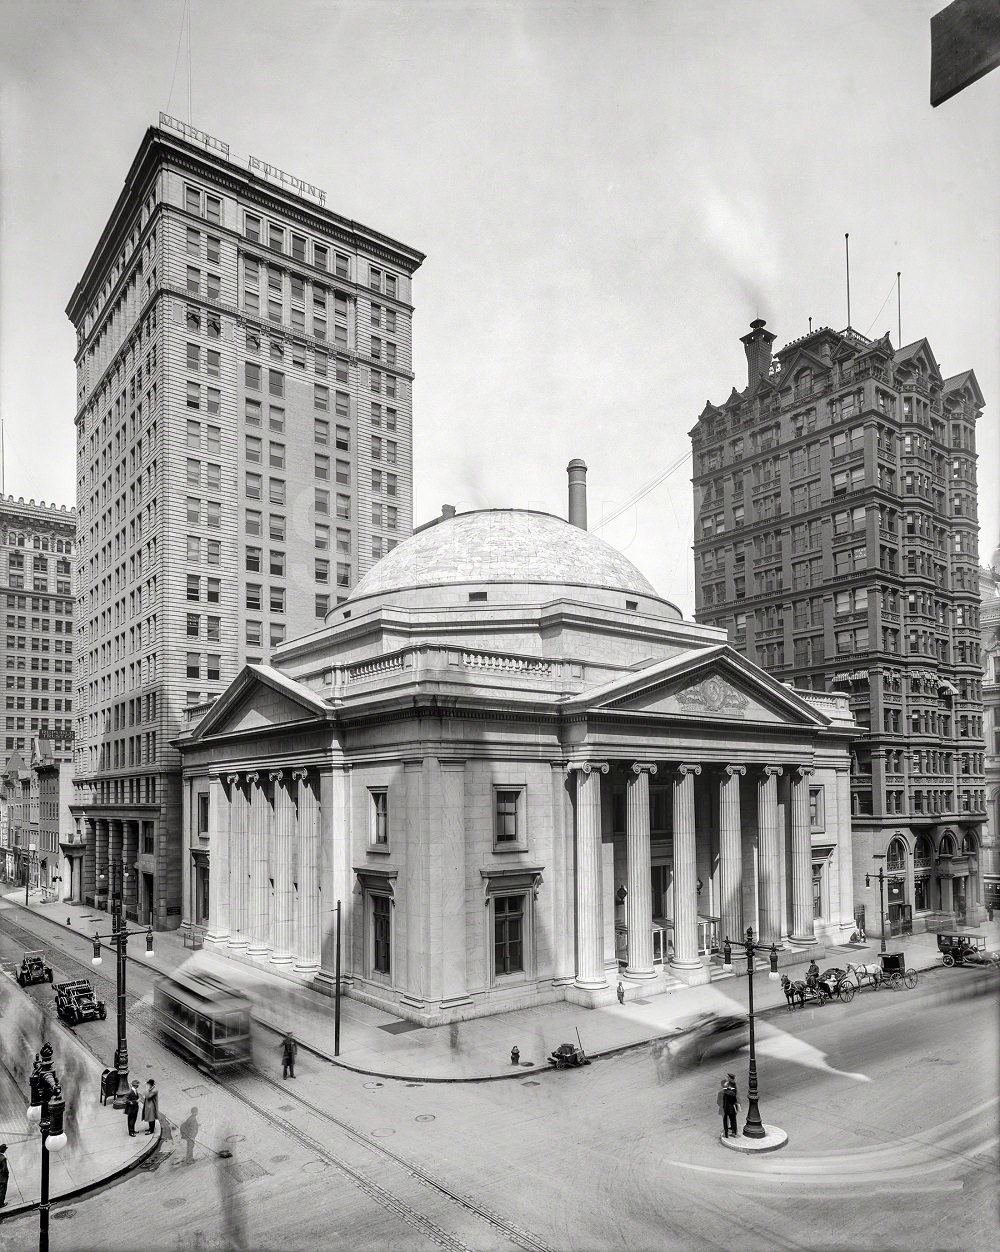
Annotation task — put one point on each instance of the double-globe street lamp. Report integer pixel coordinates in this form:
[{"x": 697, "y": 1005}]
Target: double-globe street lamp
[
  {"x": 754, "y": 1127},
  {"x": 46, "y": 1108},
  {"x": 883, "y": 878},
  {"x": 118, "y": 939}
]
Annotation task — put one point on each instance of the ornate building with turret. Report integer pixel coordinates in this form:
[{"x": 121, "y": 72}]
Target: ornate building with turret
[{"x": 836, "y": 543}]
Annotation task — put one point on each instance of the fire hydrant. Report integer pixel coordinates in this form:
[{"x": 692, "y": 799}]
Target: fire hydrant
[{"x": 515, "y": 1055}]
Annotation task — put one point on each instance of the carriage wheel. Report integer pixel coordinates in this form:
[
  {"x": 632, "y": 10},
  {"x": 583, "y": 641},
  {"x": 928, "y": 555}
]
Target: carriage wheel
[
  {"x": 948, "y": 960},
  {"x": 910, "y": 979},
  {"x": 895, "y": 981},
  {"x": 846, "y": 992}
]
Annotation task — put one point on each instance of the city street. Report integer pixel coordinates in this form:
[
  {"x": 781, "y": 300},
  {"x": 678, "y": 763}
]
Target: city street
[{"x": 890, "y": 1105}]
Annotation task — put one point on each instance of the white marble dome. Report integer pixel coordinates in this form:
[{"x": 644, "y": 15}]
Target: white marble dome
[{"x": 513, "y": 555}]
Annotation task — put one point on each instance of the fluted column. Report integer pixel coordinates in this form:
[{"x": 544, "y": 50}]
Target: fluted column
[
  {"x": 259, "y": 829},
  {"x": 639, "y": 900},
  {"x": 130, "y": 854},
  {"x": 802, "y": 904},
  {"x": 218, "y": 864},
  {"x": 589, "y": 877},
  {"x": 102, "y": 883},
  {"x": 769, "y": 848},
  {"x": 283, "y": 906},
  {"x": 685, "y": 870},
  {"x": 731, "y": 853},
  {"x": 238, "y": 861},
  {"x": 115, "y": 877},
  {"x": 88, "y": 884},
  {"x": 307, "y": 904}
]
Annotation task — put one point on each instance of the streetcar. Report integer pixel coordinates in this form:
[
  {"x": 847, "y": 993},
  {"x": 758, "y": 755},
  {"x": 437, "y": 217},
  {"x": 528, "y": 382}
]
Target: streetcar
[{"x": 205, "y": 1018}]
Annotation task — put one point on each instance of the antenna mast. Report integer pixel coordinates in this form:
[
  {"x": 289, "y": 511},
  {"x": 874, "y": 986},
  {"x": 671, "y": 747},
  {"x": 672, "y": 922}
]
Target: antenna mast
[
  {"x": 847, "y": 254},
  {"x": 899, "y": 310}
]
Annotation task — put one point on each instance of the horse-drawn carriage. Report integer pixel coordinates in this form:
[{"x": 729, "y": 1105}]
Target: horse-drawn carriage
[
  {"x": 965, "y": 949},
  {"x": 889, "y": 971}
]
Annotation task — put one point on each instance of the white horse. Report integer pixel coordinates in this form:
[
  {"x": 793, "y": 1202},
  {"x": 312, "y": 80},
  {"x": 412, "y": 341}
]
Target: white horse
[{"x": 861, "y": 973}]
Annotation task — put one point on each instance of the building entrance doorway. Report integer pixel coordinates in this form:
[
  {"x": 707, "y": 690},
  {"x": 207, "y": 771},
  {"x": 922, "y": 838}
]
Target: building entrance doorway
[{"x": 146, "y": 899}]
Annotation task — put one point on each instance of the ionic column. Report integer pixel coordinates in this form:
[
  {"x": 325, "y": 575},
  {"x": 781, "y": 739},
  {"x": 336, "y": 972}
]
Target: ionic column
[
  {"x": 258, "y": 828},
  {"x": 769, "y": 848},
  {"x": 639, "y": 901},
  {"x": 685, "y": 870},
  {"x": 283, "y": 916},
  {"x": 307, "y": 905},
  {"x": 730, "y": 853},
  {"x": 218, "y": 864},
  {"x": 238, "y": 862},
  {"x": 589, "y": 877},
  {"x": 802, "y": 904}
]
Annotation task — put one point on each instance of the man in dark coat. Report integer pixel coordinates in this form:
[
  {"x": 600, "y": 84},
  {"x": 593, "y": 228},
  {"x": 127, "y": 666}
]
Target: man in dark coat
[
  {"x": 730, "y": 1107},
  {"x": 132, "y": 1105},
  {"x": 150, "y": 1106},
  {"x": 288, "y": 1050},
  {"x": 4, "y": 1175}
]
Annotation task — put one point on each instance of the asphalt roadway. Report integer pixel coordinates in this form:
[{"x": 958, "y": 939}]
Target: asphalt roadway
[{"x": 890, "y": 1104}]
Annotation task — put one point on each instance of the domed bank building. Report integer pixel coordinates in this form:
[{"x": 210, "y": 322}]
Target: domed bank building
[{"x": 523, "y": 774}]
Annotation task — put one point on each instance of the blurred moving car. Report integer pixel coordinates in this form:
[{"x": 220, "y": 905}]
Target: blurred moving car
[
  {"x": 33, "y": 969},
  {"x": 703, "y": 1035}
]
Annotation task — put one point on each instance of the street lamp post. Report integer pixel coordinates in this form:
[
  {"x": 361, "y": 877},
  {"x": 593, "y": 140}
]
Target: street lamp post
[
  {"x": 881, "y": 900},
  {"x": 754, "y": 1127},
  {"x": 118, "y": 939},
  {"x": 46, "y": 1108}
]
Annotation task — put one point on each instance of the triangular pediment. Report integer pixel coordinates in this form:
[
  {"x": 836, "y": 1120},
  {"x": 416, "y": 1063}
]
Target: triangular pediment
[
  {"x": 260, "y": 698},
  {"x": 713, "y": 684}
]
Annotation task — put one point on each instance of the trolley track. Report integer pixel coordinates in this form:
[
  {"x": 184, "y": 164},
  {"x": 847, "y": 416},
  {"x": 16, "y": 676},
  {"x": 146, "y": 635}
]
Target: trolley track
[{"x": 140, "y": 1020}]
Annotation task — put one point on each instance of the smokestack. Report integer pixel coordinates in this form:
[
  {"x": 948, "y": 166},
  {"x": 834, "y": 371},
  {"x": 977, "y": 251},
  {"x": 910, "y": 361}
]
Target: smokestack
[
  {"x": 757, "y": 346},
  {"x": 577, "y": 471}
]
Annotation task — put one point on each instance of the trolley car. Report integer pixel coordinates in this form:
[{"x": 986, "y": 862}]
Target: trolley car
[{"x": 204, "y": 1018}]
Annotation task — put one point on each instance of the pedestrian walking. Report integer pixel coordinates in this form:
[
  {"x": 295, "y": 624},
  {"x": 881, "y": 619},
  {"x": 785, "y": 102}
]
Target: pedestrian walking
[
  {"x": 621, "y": 994},
  {"x": 150, "y": 1106},
  {"x": 730, "y": 1107},
  {"x": 132, "y": 1106},
  {"x": 289, "y": 1048},
  {"x": 189, "y": 1133},
  {"x": 4, "y": 1175}
]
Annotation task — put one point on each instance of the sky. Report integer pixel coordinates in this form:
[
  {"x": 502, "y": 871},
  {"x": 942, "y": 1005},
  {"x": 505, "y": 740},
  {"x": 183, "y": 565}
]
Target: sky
[{"x": 607, "y": 194}]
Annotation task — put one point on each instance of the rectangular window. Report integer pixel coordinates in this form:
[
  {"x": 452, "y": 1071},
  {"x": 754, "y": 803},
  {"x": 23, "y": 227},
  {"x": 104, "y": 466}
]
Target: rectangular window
[
  {"x": 251, "y": 374},
  {"x": 254, "y": 522},
  {"x": 254, "y": 596},
  {"x": 381, "y": 935},
  {"x": 321, "y": 257},
  {"x": 253, "y": 412},
  {"x": 508, "y": 935},
  {"x": 253, "y": 486},
  {"x": 193, "y": 396},
  {"x": 254, "y": 561},
  {"x": 344, "y": 508},
  {"x": 254, "y": 449},
  {"x": 379, "y": 834},
  {"x": 275, "y": 237},
  {"x": 277, "y": 563},
  {"x": 322, "y": 500},
  {"x": 213, "y": 209},
  {"x": 213, "y": 666},
  {"x": 321, "y": 431},
  {"x": 343, "y": 439},
  {"x": 276, "y": 490},
  {"x": 276, "y": 455},
  {"x": 275, "y": 383},
  {"x": 321, "y": 397},
  {"x": 321, "y": 571},
  {"x": 506, "y": 814},
  {"x": 322, "y": 543},
  {"x": 275, "y": 419},
  {"x": 194, "y": 665},
  {"x": 817, "y": 817},
  {"x": 322, "y": 606},
  {"x": 276, "y": 526},
  {"x": 322, "y": 467}
]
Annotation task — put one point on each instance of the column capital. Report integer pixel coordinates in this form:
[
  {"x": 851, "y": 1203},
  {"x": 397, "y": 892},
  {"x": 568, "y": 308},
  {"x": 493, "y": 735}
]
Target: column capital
[
  {"x": 233, "y": 779},
  {"x": 683, "y": 770},
  {"x": 643, "y": 767},
  {"x": 801, "y": 772},
  {"x": 588, "y": 767},
  {"x": 300, "y": 775},
  {"x": 275, "y": 775},
  {"x": 734, "y": 770},
  {"x": 252, "y": 776},
  {"x": 772, "y": 771}
]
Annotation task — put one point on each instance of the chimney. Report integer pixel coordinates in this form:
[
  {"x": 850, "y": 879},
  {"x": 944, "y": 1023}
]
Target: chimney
[
  {"x": 757, "y": 346},
  {"x": 577, "y": 471},
  {"x": 447, "y": 510}
]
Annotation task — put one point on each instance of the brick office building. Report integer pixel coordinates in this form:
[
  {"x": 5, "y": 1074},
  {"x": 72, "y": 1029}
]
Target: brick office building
[
  {"x": 244, "y": 406},
  {"x": 836, "y": 541}
]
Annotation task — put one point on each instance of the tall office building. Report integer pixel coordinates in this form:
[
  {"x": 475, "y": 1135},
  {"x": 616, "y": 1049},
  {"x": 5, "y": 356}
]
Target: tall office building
[
  {"x": 836, "y": 540},
  {"x": 244, "y": 406},
  {"x": 990, "y": 621},
  {"x": 36, "y": 579}
]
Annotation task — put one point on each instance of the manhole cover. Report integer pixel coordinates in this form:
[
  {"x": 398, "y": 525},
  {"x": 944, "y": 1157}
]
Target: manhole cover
[
  {"x": 414, "y": 1084},
  {"x": 370, "y": 1086},
  {"x": 315, "y": 1167},
  {"x": 195, "y": 1091},
  {"x": 246, "y": 1171},
  {"x": 383, "y": 1132},
  {"x": 425, "y": 1117},
  {"x": 276, "y": 1160},
  {"x": 527, "y": 1064},
  {"x": 235, "y": 1138},
  {"x": 531, "y": 1084},
  {"x": 176, "y": 1203},
  {"x": 61, "y": 1213}
]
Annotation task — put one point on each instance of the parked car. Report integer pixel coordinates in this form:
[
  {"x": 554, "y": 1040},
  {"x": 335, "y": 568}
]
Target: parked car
[
  {"x": 33, "y": 969},
  {"x": 76, "y": 1002}
]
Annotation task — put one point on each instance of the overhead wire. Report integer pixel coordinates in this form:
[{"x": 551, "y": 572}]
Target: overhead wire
[{"x": 643, "y": 491}]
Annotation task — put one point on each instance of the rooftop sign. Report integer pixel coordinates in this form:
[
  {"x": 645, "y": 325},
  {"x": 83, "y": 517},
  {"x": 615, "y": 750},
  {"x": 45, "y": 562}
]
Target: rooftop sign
[
  {"x": 192, "y": 132},
  {"x": 275, "y": 175}
]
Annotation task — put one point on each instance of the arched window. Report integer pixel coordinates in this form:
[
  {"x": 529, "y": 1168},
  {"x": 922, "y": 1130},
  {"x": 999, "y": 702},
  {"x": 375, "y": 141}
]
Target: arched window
[
  {"x": 969, "y": 846},
  {"x": 923, "y": 853},
  {"x": 895, "y": 859},
  {"x": 946, "y": 846}
]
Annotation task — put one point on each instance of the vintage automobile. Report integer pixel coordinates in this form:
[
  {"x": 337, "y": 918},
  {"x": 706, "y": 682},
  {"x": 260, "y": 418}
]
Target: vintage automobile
[
  {"x": 76, "y": 1002},
  {"x": 965, "y": 949},
  {"x": 704, "y": 1035},
  {"x": 33, "y": 969}
]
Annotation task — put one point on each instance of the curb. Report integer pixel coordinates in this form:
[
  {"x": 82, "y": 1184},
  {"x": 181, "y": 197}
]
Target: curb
[{"x": 84, "y": 1188}]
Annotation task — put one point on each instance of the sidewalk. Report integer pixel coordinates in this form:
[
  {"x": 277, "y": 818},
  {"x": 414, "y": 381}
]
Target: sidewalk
[
  {"x": 382, "y": 1045},
  {"x": 98, "y": 1147}
]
